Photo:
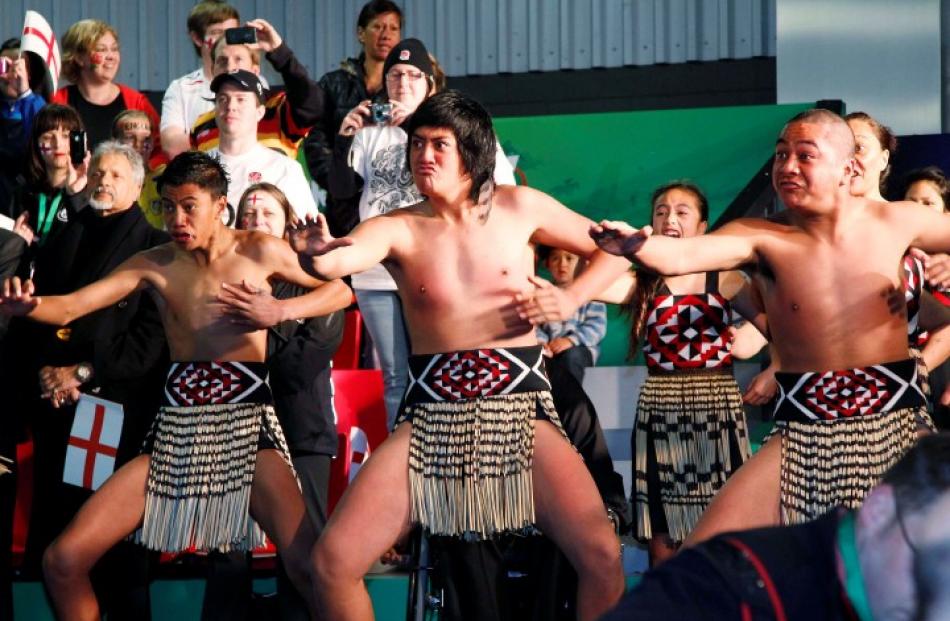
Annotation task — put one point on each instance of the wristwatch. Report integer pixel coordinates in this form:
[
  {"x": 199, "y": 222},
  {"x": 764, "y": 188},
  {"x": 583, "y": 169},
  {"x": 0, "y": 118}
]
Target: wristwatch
[{"x": 83, "y": 372}]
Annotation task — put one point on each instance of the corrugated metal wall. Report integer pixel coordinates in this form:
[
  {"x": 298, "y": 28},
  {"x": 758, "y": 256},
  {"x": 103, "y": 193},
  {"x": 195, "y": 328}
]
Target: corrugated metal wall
[{"x": 470, "y": 37}]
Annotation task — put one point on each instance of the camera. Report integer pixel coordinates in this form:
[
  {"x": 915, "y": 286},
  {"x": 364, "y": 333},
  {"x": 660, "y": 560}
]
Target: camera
[
  {"x": 77, "y": 146},
  {"x": 239, "y": 36},
  {"x": 381, "y": 113}
]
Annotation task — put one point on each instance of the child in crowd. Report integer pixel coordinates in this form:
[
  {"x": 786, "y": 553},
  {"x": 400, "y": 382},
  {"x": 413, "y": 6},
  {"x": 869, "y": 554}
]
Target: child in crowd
[{"x": 572, "y": 343}]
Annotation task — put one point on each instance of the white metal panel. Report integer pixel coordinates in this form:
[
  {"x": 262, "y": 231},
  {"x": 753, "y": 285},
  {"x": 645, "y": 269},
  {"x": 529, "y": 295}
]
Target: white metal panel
[{"x": 470, "y": 37}]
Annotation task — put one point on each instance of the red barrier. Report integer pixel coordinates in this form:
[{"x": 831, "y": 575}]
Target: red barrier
[
  {"x": 360, "y": 424},
  {"x": 348, "y": 353}
]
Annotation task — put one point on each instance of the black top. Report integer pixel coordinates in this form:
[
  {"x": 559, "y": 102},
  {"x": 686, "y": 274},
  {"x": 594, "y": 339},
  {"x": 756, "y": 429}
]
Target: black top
[
  {"x": 344, "y": 89},
  {"x": 125, "y": 342},
  {"x": 719, "y": 579},
  {"x": 299, "y": 353},
  {"x": 96, "y": 119}
]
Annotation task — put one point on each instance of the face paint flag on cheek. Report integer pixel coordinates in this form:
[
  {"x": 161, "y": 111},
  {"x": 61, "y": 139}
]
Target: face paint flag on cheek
[
  {"x": 209, "y": 42},
  {"x": 96, "y": 58}
]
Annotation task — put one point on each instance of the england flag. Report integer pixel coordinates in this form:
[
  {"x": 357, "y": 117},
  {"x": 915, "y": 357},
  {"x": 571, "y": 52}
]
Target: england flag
[{"x": 93, "y": 442}]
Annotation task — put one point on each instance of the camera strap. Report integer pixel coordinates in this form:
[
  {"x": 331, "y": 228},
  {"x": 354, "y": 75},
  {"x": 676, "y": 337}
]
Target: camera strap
[{"x": 44, "y": 221}]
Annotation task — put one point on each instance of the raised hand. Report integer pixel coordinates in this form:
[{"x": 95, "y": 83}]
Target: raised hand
[
  {"x": 250, "y": 306},
  {"x": 937, "y": 267},
  {"x": 619, "y": 238},
  {"x": 17, "y": 297},
  {"x": 312, "y": 237},
  {"x": 76, "y": 181},
  {"x": 355, "y": 119},
  {"x": 542, "y": 302},
  {"x": 268, "y": 39},
  {"x": 22, "y": 228},
  {"x": 400, "y": 113}
]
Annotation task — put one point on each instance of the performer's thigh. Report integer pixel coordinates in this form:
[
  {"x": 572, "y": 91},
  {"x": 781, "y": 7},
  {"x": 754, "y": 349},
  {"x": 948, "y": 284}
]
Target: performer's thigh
[
  {"x": 374, "y": 512},
  {"x": 109, "y": 516},
  {"x": 276, "y": 502},
  {"x": 568, "y": 507},
  {"x": 749, "y": 499}
]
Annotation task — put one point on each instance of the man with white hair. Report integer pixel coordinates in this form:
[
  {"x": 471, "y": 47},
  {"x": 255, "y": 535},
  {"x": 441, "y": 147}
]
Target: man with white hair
[{"x": 118, "y": 354}]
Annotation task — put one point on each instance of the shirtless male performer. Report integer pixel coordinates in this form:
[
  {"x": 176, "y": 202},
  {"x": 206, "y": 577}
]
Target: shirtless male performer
[
  {"x": 477, "y": 450},
  {"x": 830, "y": 280},
  {"x": 209, "y": 459}
]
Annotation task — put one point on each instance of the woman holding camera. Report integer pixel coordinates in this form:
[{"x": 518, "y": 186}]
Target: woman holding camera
[
  {"x": 91, "y": 60},
  {"x": 369, "y": 160}
]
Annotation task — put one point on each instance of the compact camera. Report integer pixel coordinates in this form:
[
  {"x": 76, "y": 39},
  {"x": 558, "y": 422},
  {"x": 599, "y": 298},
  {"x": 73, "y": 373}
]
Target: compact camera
[{"x": 381, "y": 113}]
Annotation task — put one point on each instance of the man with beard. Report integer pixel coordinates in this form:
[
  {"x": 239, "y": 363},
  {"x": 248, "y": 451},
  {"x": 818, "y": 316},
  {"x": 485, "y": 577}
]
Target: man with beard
[{"x": 117, "y": 354}]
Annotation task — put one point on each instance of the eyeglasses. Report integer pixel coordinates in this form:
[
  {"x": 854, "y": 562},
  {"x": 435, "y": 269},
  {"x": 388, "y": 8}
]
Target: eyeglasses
[{"x": 397, "y": 76}]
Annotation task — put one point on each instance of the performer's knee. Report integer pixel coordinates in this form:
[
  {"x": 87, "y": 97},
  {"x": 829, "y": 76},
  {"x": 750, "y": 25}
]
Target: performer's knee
[
  {"x": 60, "y": 564},
  {"x": 329, "y": 566}
]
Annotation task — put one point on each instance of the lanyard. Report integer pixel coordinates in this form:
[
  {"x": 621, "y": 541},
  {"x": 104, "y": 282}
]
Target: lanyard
[
  {"x": 854, "y": 581},
  {"x": 45, "y": 218}
]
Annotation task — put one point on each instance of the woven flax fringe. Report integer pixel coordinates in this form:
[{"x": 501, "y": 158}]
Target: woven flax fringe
[
  {"x": 826, "y": 464},
  {"x": 694, "y": 420},
  {"x": 199, "y": 480},
  {"x": 470, "y": 463}
]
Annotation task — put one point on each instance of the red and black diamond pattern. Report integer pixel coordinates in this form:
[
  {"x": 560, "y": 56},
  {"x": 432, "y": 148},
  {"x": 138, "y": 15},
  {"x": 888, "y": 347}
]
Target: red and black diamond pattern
[
  {"x": 211, "y": 383},
  {"x": 688, "y": 332},
  {"x": 844, "y": 394},
  {"x": 475, "y": 373}
]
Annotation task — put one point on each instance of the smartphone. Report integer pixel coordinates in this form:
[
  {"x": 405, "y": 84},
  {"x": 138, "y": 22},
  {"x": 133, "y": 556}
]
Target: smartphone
[
  {"x": 77, "y": 146},
  {"x": 242, "y": 35}
]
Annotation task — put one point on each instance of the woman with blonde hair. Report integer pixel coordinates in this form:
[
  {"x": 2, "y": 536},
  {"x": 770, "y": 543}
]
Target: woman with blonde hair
[{"x": 91, "y": 58}]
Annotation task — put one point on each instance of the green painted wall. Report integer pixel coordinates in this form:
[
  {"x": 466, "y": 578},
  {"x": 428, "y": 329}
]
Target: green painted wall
[{"x": 607, "y": 165}]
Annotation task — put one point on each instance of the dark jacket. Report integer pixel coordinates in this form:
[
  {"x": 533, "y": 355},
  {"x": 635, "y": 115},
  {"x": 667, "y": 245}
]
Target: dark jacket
[
  {"x": 12, "y": 249},
  {"x": 124, "y": 342},
  {"x": 344, "y": 88},
  {"x": 27, "y": 198},
  {"x": 786, "y": 572},
  {"x": 298, "y": 357}
]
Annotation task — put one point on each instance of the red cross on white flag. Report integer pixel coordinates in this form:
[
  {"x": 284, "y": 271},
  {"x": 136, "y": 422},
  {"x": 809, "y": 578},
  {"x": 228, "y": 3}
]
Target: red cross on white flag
[
  {"x": 38, "y": 38},
  {"x": 93, "y": 442}
]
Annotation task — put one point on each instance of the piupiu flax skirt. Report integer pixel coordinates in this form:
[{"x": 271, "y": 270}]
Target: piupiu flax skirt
[
  {"x": 472, "y": 443},
  {"x": 689, "y": 436},
  {"x": 203, "y": 447},
  {"x": 841, "y": 431}
]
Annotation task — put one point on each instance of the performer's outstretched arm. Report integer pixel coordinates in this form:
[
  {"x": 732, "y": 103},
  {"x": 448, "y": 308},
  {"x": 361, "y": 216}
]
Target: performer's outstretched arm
[
  {"x": 18, "y": 299},
  {"x": 727, "y": 248},
  {"x": 328, "y": 257}
]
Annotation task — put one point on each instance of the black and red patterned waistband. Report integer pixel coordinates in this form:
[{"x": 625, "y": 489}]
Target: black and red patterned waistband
[
  {"x": 864, "y": 391},
  {"x": 214, "y": 383},
  {"x": 474, "y": 373}
]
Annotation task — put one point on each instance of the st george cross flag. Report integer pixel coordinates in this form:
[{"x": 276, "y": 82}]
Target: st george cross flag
[
  {"x": 93, "y": 442},
  {"x": 38, "y": 38}
]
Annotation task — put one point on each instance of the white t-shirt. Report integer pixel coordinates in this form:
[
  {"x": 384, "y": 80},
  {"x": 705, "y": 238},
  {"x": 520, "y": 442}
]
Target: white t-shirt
[
  {"x": 378, "y": 155},
  {"x": 186, "y": 99},
  {"x": 263, "y": 164}
]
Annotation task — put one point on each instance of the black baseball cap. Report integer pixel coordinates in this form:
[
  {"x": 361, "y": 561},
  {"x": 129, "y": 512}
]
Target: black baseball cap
[{"x": 243, "y": 79}]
